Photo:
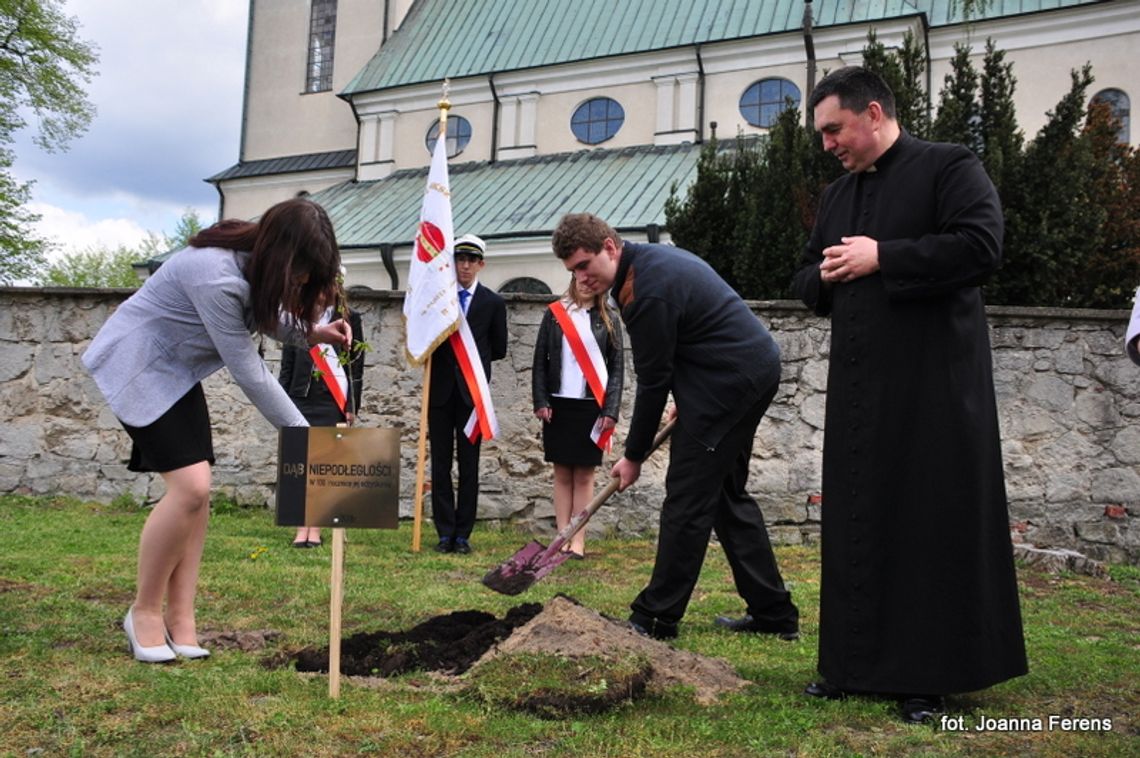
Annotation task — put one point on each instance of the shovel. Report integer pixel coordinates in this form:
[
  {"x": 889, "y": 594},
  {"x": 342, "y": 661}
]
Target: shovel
[{"x": 535, "y": 560}]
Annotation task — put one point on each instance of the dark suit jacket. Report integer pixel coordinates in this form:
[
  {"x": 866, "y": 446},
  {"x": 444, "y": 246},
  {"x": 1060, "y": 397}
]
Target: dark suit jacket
[
  {"x": 487, "y": 318},
  {"x": 296, "y": 374}
]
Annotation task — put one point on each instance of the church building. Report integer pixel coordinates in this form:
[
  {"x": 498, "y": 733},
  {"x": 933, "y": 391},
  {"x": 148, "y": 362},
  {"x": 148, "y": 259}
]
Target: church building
[{"x": 584, "y": 105}]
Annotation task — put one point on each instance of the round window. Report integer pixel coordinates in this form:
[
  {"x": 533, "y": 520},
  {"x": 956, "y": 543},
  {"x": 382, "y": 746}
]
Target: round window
[
  {"x": 764, "y": 101},
  {"x": 596, "y": 120},
  {"x": 458, "y": 135}
]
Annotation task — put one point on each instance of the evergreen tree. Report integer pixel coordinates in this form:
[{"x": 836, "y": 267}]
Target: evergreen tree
[
  {"x": 911, "y": 99},
  {"x": 1071, "y": 196},
  {"x": 1111, "y": 272},
  {"x": 1002, "y": 140},
  {"x": 959, "y": 117},
  {"x": 902, "y": 71},
  {"x": 698, "y": 222},
  {"x": 1051, "y": 222}
]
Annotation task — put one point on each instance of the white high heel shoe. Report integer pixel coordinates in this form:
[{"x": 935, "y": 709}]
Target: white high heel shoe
[
  {"x": 186, "y": 651},
  {"x": 153, "y": 654}
]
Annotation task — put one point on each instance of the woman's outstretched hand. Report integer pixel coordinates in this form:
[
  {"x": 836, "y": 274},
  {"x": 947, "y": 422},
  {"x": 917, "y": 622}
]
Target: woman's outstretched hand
[{"x": 337, "y": 333}]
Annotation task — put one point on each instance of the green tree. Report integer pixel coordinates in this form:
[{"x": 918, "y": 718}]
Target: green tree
[
  {"x": 903, "y": 71},
  {"x": 959, "y": 115},
  {"x": 690, "y": 219},
  {"x": 101, "y": 266},
  {"x": 1112, "y": 269},
  {"x": 791, "y": 174},
  {"x": 1002, "y": 140},
  {"x": 93, "y": 267},
  {"x": 20, "y": 252},
  {"x": 1071, "y": 196},
  {"x": 44, "y": 68},
  {"x": 1052, "y": 222}
]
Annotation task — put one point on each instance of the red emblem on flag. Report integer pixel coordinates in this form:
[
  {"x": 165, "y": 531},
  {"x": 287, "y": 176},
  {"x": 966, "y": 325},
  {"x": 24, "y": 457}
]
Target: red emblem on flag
[{"x": 429, "y": 241}]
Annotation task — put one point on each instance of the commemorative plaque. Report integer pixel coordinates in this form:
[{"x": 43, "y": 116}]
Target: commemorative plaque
[{"x": 339, "y": 477}]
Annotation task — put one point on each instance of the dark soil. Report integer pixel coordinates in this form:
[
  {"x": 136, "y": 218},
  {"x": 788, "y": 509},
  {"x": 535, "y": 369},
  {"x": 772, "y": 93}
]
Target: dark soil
[
  {"x": 564, "y": 639},
  {"x": 447, "y": 644}
]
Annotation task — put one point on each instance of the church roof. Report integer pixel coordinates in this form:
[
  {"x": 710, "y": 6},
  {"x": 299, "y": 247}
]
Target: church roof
[
  {"x": 288, "y": 164},
  {"x": 453, "y": 39},
  {"x": 516, "y": 198}
]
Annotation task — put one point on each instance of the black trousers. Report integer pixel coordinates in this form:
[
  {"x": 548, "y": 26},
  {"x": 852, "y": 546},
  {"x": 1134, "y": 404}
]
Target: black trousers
[
  {"x": 452, "y": 517},
  {"x": 705, "y": 490}
]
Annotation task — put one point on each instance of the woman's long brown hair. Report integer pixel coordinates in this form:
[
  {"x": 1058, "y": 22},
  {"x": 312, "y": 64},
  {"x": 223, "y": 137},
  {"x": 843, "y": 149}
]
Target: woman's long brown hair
[
  {"x": 292, "y": 240},
  {"x": 597, "y": 301}
]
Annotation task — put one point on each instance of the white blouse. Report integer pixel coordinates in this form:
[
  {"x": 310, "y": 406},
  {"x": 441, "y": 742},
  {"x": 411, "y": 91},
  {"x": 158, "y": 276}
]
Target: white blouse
[{"x": 573, "y": 384}]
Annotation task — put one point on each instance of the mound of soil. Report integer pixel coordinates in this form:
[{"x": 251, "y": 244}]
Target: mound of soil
[
  {"x": 565, "y": 627},
  {"x": 447, "y": 644},
  {"x": 453, "y": 643}
]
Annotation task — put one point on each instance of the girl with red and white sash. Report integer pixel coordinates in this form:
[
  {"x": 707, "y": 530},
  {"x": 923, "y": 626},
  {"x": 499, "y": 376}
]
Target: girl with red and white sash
[{"x": 577, "y": 383}]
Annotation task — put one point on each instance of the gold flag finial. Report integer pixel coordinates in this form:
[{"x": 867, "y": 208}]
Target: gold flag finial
[{"x": 444, "y": 107}]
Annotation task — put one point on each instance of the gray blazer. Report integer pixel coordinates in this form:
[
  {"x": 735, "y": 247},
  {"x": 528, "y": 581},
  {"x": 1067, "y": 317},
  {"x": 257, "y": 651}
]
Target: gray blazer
[{"x": 190, "y": 318}]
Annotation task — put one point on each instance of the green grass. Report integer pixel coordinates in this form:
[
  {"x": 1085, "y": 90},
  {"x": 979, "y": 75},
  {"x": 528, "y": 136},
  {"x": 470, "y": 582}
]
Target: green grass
[{"x": 69, "y": 687}]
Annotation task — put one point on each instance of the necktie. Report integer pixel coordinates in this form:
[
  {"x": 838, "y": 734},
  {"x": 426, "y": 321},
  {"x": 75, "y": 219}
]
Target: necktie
[{"x": 463, "y": 297}]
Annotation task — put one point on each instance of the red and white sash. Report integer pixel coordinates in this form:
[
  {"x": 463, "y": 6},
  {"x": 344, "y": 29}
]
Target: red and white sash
[
  {"x": 482, "y": 422},
  {"x": 593, "y": 365},
  {"x": 317, "y": 353}
]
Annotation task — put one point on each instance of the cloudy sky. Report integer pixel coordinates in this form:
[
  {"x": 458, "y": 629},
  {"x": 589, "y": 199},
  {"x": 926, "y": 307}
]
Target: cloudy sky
[{"x": 169, "y": 96}]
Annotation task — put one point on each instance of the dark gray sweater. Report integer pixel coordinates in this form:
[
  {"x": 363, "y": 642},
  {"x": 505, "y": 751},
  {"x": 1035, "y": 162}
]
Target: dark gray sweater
[{"x": 691, "y": 335}]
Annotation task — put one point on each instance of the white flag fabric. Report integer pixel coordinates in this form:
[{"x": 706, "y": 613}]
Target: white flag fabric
[{"x": 431, "y": 304}]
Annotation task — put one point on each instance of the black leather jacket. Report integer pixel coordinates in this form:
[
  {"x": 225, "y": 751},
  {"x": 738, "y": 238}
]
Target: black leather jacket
[{"x": 546, "y": 373}]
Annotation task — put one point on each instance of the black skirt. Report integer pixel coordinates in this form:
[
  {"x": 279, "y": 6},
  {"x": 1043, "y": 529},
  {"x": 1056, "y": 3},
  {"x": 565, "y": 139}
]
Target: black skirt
[
  {"x": 566, "y": 439},
  {"x": 178, "y": 438}
]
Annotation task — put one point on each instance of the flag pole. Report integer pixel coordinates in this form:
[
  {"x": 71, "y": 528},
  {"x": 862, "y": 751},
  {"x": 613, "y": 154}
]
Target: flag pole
[{"x": 418, "y": 510}]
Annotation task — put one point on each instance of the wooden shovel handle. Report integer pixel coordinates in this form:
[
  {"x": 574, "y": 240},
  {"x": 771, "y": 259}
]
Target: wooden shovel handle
[{"x": 583, "y": 516}]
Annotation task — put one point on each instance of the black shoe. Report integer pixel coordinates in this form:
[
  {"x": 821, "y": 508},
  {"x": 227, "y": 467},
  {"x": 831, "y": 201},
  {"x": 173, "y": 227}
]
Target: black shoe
[
  {"x": 824, "y": 690},
  {"x": 462, "y": 545},
  {"x": 918, "y": 709},
  {"x": 445, "y": 545},
  {"x": 658, "y": 630},
  {"x": 748, "y": 624}
]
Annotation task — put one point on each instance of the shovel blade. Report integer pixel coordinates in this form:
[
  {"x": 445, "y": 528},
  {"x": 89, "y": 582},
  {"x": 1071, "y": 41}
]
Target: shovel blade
[{"x": 524, "y": 568}]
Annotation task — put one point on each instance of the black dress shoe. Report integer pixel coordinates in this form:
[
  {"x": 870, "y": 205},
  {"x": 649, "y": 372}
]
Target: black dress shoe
[
  {"x": 445, "y": 545},
  {"x": 918, "y": 709},
  {"x": 824, "y": 690},
  {"x": 658, "y": 630},
  {"x": 747, "y": 623},
  {"x": 462, "y": 545}
]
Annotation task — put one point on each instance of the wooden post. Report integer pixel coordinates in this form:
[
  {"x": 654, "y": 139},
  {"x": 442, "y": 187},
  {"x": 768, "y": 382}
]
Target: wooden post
[
  {"x": 418, "y": 509},
  {"x": 335, "y": 609}
]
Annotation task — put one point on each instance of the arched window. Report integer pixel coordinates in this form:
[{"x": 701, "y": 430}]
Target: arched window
[
  {"x": 458, "y": 135},
  {"x": 1121, "y": 109},
  {"x": 596, "y": 120},
  {"x": 764, "y": 101},
  {"x": 526, "y": 285}
]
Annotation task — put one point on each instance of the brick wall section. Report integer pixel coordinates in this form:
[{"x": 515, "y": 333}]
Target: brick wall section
[{"x": 1068, "y": 397}]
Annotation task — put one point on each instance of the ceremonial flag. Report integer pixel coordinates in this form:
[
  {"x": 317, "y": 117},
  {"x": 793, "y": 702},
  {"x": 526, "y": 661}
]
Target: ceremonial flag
[{"x": 431, "y": 304}]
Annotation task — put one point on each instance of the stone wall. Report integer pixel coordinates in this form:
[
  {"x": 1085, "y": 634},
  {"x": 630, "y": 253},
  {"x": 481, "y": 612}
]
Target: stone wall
[{"x": 1069, "y": 403}]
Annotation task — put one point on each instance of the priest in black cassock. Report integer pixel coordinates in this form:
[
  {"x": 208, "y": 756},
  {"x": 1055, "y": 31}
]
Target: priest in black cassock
[{"x": 919, "y": 594}]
